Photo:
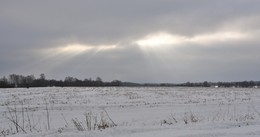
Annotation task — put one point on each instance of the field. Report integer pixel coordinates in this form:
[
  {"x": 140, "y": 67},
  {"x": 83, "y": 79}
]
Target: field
[{"x": 130, "y": 112}]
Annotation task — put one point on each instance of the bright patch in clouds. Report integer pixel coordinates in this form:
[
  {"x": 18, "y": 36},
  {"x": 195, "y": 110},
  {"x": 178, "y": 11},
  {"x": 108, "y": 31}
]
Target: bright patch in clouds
[
  {"x": 167, "y": 39},
  {"x": 73, "y": 48},
  {"x": 57, "y": 56},
  {"x": 160, "y": 39},
  {"x": 79, "y": 48},
  {"x": 218, "y": 37},
  {"x": 106, "y": 47}
]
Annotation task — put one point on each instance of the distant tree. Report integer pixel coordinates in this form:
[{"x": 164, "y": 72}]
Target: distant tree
[
  {"x": 70, "y": 79},
  {"x": 98, "y": 82},
  {"x": 98, "y": 79},
  {"x": 188, "y": 84},
  {"x": 116, "y": 83},
  {"x": 14, "y": 79},
  {"x": 4, "y": 79},
  {"x": 252, "y": 83},
  {"x": 206, "y": 84},
  {"x": 42, "y": 76},
  {"x": 245, "y": 84},
  {"x": 29, "y": 80},
  {"x": 4, "y": 82},
  {"x": 40, "y": 82}
]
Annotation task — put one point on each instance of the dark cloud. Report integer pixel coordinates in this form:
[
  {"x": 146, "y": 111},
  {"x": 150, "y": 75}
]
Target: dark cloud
[{"x": 33, "y": 31}]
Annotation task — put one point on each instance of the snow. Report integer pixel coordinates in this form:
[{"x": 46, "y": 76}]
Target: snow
[{"x": 136, "y": 111}]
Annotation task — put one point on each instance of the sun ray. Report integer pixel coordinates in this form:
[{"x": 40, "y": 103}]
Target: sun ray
[
  {"x": 159, "y": 39},
  {"x": 166, "y": 40},
  {"x": 57, "y": 56},
  {"x": 163, "y": 46}
]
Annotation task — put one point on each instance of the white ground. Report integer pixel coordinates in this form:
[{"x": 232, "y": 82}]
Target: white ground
[{"x": 137, "y": 112}]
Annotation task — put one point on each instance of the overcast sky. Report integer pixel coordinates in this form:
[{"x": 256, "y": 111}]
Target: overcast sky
[{"x": 132, "y": 40}]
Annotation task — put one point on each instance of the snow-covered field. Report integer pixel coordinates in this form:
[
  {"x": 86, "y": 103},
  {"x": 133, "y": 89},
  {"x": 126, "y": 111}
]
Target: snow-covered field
[{"x": 130, "y": 112}]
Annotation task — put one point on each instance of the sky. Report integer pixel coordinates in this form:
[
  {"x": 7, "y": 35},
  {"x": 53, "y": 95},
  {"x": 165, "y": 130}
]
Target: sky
[{"x": 142, "y": 41}]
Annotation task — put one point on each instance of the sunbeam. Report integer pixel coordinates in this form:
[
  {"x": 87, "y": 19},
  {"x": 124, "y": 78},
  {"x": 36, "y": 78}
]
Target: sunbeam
[
  {"x": 73, "y": 49},
  {"x": 57, "y": 56},
  {"x": 164, "y": 47},
  {"x": 160, "y": 39},
  {"x": 164, "y": 40}
]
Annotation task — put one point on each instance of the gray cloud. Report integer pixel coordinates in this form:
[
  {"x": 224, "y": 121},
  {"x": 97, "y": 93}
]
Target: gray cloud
[{"x": 30, "y": 28}]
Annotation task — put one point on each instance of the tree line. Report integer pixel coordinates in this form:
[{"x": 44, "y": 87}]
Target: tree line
[
  {"x": 240, "y": 84},
  {"x": 14, "y": 80}
]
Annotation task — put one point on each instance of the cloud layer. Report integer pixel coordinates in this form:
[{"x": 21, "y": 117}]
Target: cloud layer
[{"x": 139, "y": 41}]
